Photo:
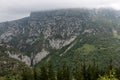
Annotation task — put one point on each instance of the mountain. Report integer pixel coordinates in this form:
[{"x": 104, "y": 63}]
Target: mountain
[{"x": 66, "y": 35}]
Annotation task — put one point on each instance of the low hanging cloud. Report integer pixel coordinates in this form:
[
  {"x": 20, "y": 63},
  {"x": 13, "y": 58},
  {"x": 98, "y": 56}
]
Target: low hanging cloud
[{"x": 15, "y": 9}]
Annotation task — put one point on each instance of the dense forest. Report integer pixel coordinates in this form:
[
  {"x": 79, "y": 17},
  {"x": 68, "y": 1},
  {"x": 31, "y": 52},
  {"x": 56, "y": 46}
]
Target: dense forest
[{"x": 80, "y": 72}]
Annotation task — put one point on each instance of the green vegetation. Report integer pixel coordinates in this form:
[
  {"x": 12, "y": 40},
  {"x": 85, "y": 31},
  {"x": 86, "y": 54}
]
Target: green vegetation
[
  {"x": 97, "y": 40},
  {"x": 111, "y": 76},
  {"x": 82, "y": 71},
  {"x": 86, "y": 49}
]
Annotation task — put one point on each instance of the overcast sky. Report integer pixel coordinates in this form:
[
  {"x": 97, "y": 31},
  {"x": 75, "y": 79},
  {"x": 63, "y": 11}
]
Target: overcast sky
[{"x": 15, "y": 9}]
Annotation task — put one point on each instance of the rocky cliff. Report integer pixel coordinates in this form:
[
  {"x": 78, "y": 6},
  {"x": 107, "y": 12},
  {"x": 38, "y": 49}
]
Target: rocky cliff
[{"x": 42, "y": 32}]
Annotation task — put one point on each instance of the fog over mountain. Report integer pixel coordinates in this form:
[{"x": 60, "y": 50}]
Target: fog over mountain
[{"x": 15, "y": 9}]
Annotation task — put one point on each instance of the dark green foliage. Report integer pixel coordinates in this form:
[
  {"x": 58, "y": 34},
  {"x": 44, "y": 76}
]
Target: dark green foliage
[
  {"x": 51, "y": 72},
  {"x": 81, "y": 72},
  {"x": 36, "y": 74},
  {"x": 27, "y": 74},
  {"x": 44, "y": 73},
  {"x": 66, "y": 73},
  {"x": 78, "y": 72},
  {"x": 59, "y": 74}
]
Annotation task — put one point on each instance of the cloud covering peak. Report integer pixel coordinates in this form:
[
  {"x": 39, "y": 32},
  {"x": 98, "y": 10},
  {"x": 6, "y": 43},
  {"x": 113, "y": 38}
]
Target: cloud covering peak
[{"x": 14, "y": 9}]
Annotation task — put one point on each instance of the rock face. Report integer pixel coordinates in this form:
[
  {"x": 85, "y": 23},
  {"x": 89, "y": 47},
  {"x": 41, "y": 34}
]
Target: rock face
[
  {"x": 39, "y": 56},
  {"x": 43, "y": 31},
  {"x": 20, "y": 57}
]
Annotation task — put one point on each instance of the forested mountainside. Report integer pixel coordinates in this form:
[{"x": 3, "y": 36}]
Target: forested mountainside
[{"x": 63, "y": 36}]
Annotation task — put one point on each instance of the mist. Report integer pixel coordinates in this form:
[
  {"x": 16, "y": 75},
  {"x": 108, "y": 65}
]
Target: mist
[{"x": 16, "y": 9}]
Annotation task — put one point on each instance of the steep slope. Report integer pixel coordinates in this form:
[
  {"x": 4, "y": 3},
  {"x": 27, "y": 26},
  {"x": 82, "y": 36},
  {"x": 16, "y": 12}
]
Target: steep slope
[
  {"x": 60, "y": 35},
  {"x": 43, "y": 31},
  {"x": 98, "y": 40},
  {"x": 10, "y": 62}
]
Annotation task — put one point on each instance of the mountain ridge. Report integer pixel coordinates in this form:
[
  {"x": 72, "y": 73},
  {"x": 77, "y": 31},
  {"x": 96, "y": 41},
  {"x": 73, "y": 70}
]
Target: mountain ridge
[{"x": 47, "y": 33}]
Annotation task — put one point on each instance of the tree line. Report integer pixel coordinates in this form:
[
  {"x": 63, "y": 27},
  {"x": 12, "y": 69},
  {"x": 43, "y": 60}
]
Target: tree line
[{"x": 82, "y": 71}]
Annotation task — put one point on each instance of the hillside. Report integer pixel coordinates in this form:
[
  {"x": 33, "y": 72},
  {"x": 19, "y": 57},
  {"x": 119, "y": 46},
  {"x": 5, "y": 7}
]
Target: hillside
[
  {"x": 64, "y": 36},
  {"x": 9, "y": 64}
]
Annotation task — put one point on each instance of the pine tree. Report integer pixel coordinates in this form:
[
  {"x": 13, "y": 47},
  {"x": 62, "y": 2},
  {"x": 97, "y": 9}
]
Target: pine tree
[
  {"x": 27, "y": 74},
  {"x": 78, "y": 72},
  {"x": 66, "y": 73},
  {"x": 51, "y": 73},
  {"x": 93, "y": 71},
  {"x": 59, "y": 74},
  {"x": 84, "y": 71},
  {"x": 44, "y": 73},
  {"x": 36, "y": 74}
]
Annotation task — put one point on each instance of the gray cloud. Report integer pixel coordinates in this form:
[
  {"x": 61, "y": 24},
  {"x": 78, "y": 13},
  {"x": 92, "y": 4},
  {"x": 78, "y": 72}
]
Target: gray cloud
[{"x": 15, "y": 9}]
